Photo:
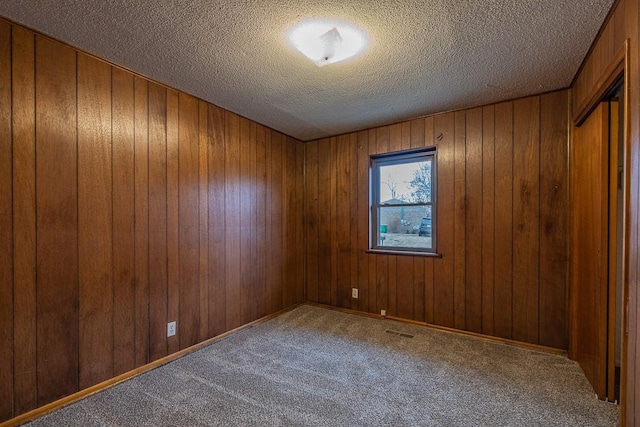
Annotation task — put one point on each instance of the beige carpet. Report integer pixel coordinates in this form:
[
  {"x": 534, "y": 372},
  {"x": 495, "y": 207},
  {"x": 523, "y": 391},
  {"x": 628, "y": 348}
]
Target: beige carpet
[{"x": 318, "y": 367}]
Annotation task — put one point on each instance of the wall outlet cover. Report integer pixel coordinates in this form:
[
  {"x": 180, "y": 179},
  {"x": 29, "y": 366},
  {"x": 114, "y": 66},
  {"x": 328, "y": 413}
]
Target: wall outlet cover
[
  {"x": 171, "y": 329},
  {"x": 354, "y": 292}
]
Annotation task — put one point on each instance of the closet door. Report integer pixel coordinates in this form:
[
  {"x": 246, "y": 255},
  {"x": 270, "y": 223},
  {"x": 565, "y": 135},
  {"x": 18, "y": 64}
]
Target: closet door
[{"x": 589, "y": 246}]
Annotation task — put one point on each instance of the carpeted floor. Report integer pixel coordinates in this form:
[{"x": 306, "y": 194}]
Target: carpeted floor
[{"x": 318, "y": 367}]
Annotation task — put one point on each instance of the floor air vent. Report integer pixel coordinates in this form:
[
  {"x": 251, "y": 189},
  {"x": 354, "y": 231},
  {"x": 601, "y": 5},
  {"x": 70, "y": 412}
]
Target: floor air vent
[{"x": 401, "y": 334}]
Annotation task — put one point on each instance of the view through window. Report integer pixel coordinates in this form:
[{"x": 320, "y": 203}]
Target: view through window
[{"x": 403, "y": 201}]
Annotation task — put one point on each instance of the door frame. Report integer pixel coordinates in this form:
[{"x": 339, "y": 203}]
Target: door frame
[{"x": 617, "y": 71}]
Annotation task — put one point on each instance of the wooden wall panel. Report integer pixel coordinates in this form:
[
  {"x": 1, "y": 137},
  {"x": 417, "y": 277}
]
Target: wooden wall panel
[
  {"x": 417, "y": 136},
  {"x": 363, "y": 221},
  {"x": 473, "y": 221},
  {"x": 244, "y": 219},
  {"x": 503, "y": 277},
  {"x": 232, "y": 220},
  {"x": 526, "y": 213},
  {"x": 419, "y": 289},
  {"x": 95, "y": 217},
  {"x": 217, "y": 230},
  {"x": 324, "y": 219},
  {"x": 277, "y": 203},
  {"x": 353, "y": 217},
  {"x": 488, "y": 218},
  {"x": 189, "y": 222},
  {"x": 404, "y": 286},
  {"x": 553, "y": 221},
  {"x": 203, "y": 216},
  {"x": 57, "y": 221},
  {"x": 141, "y": 219},
  {"x": 145, "y": 206},
  {"x": 459, "y": 220},
  {"x": 269, "y": 218},
  {"x": 262, "y": 245},
  {"x": 173, "y": 217},
  {"x": 258, "y": 194},
  {"x": 280, "y": 297},
  {"x": 483, "y": 156},
  {"x": 333, "y": 227},
  {"x": 24, "y": 222},
  {"x": 278, "y": 161},
  {"x": 343, "y": 225},
  {"x": 124, "y": 255},
  {"x": 443, "y": 280},
  {"x": 157, "y": 221},
  {"x": 295, "y": 210},
  {"x": 249, "y": 246},
  {"x": 392, "y": 304},
  {"x": 6, "y": 225},
  {"x": 289, "y": 223},
  {"x": 311, "y": 219}
]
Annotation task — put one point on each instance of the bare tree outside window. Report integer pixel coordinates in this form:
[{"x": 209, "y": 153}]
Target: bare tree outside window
[
  {"x": 392, "y": 184},
  {"x": 421, "y": 184}
]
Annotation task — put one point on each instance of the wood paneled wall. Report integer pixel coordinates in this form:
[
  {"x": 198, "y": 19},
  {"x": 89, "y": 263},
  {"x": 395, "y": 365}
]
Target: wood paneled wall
[
  {"x": 501, "y": 222},
  {"x": 623, "y": 23},
  {"x": 126, "y": 205}
]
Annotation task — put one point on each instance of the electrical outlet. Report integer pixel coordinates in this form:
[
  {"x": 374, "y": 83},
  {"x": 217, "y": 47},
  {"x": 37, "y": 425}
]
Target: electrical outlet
[
  {"x": 171, "y": 329},
  {"x": 354, "y": 292},
  {"x": 383, "y": 312}
]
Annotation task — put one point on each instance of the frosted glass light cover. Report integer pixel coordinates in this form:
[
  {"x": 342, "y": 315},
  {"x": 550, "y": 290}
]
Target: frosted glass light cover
[{"x": 326, "y": 41}]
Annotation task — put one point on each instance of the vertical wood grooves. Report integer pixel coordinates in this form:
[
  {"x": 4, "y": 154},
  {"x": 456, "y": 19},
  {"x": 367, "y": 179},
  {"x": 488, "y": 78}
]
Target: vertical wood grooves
[
  {"x": 123, "y": 184},
  {"x": 123, "y": 222},
  {"x": 7, "y": 301},
  {"x": 95, "y": 218},
  {"x": 488, "y": 219},
  {"x": 24, "y": 212},
  {"x": 141, "y": 220},
  {"x": 57, "y": 221},
  {"x": 501, "y": 212}
]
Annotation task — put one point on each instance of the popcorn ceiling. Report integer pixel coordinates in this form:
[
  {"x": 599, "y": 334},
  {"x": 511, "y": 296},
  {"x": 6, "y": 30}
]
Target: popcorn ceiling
[{"x": 424, "y": 56}]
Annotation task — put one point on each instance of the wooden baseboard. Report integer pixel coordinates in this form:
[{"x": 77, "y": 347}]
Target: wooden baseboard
[
  {"x": 60, "y": 403},
  {"x": 515, "y": 343}
]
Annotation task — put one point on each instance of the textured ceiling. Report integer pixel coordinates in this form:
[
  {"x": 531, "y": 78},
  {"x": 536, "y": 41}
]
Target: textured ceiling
[{"x": 424, "y": 56}]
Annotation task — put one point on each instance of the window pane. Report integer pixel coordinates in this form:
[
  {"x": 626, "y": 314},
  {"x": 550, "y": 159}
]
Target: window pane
[
  {"x": 404, "y": 227},
  {"x": 406, "y": 182}
]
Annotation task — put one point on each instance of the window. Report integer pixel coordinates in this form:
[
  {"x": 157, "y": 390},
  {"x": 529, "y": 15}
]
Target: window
[{"x": 403, "y": 201}]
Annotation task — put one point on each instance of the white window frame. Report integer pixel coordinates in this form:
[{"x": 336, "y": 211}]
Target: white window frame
[{"x": 399, "y": 157}]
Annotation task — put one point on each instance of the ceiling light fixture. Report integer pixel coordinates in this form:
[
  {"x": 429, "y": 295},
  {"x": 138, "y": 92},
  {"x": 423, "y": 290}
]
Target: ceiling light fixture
[{"x": 327, "y": 41}]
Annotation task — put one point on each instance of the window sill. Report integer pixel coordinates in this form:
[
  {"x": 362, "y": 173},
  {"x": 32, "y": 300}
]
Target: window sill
[{"x": 410, "y": 253}]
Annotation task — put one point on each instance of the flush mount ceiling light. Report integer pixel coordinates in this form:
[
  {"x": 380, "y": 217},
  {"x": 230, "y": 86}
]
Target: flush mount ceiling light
[{"x": 327, "y": 41}]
